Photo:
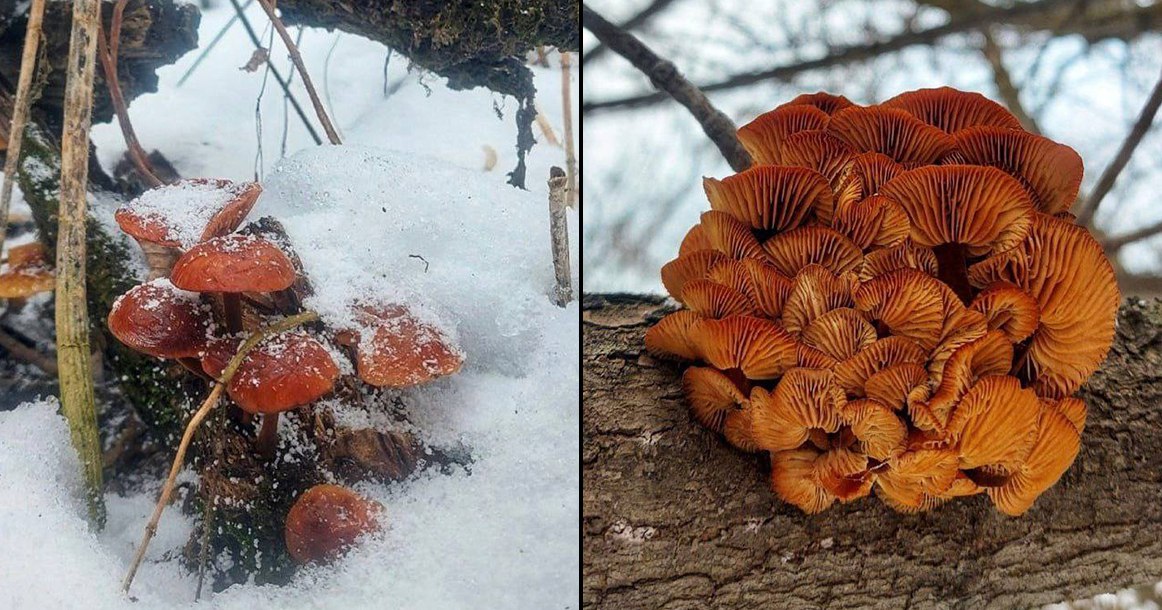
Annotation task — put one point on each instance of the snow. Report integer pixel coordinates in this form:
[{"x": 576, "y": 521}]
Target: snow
[{"x": 501, "y": 533}]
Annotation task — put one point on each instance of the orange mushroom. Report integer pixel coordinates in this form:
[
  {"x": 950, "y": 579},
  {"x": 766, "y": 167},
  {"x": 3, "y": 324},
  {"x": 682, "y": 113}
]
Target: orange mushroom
[
  {"x": 158, "y": 319},
  {"x": 29, "y": 272},
  {"x": 279, "y": 374},
  {"x": 402, "y": 350},
  {"x": 326, "y": 520},
  {"x": 894, "y": 296},
  {"x": 230, "y": 265}
]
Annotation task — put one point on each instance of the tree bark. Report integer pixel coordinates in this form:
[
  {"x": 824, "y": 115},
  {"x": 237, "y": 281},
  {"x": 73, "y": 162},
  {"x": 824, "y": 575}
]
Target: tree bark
[{"x": 676, "y": 518}]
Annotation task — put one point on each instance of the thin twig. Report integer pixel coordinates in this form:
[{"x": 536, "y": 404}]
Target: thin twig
[
  {"x": 20, "y": 351},
  {"x": 275, "y": 73},
  {"x": 559, "y": 235},
  {"x": 297, "y": 59},
  {"x": 567, "y": 109},
  {"x": 213, "y": 43},
  {"x": 665, "y": 76},
  {"x": 1113, "y": 244},
  {"x": 108, "y": 50},
  {"x": 1110, "y": 175},
  {"x": 20, "y": 112},
  {"x": 207, "y": 405},
  {"x": 1004, "y": 81},
  {"x": 72, "y": 315}
]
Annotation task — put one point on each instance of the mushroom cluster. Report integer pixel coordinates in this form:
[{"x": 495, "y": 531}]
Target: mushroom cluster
[
  {"x": 220, "y": 284},
  {"x": 893, "y": 297}
]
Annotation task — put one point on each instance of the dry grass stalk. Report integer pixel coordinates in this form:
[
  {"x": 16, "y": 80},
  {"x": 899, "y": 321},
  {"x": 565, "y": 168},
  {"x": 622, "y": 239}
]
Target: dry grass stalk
[{"x": 20, "y": 111}]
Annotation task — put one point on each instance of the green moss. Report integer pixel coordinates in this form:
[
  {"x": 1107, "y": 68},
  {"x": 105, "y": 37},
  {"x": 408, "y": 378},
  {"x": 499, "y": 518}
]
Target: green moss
[{"x": 158, "y": 394}]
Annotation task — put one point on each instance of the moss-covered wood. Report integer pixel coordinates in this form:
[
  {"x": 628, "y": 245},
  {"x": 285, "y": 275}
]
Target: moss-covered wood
[{"x": 160, "y": 393}]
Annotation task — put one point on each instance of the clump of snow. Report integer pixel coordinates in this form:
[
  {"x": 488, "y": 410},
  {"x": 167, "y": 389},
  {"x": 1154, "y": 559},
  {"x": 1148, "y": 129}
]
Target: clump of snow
[{"x": 461, "y": 249}]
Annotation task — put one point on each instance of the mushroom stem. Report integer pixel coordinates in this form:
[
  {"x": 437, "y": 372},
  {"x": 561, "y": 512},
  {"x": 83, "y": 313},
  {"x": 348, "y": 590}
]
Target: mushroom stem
[
  {"x": 268, "y": 436},
  {"x": 953, "y": 269},
  {"x": 232, "y": 304}
]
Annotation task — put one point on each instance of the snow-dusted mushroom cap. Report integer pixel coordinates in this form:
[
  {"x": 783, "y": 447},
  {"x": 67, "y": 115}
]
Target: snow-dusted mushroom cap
[
  {"x": 234, "y": 263},
  {"x": 161, "y": 320},
  {"x": 281, "y": 373},
  {"x": 29, "y": 272},
  {"x": 326, "y": 520},
  {"x": 402, "y": 350},
  {"x": 190, "y": 211}
]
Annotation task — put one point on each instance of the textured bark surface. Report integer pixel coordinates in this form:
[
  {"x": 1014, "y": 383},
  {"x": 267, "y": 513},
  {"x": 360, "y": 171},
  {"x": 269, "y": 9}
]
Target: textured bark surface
[{"x": 676, "y": 518}]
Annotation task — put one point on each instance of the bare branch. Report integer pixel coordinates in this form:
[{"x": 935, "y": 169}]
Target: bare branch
[
  {"x": 632, "y": 23},
  {"x": 1146, "y": 118},
  {"x": 975, "y": 20},
  {"x": 1004, "y": 81},
  {"x": 665, "y": 76},
  {"x": 1116, "y": 243}
]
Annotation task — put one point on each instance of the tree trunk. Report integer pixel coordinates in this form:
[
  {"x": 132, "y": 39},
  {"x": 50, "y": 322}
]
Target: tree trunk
[{"x": 676, "y": 518}]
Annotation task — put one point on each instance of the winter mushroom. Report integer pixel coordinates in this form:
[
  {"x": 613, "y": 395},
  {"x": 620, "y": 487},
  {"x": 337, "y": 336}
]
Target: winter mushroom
[
  {"x": 402, "y": 350},
  {"x": 29, "y": 272},
  {"x": 176, "y": 216},
  {"x": 893, "y": 296},
  {"x": 281, "y": 373},
  {"x": 326, "y": 520},
  {"x": 161, "y": 320},
  {"x": 230, "y": 265}
]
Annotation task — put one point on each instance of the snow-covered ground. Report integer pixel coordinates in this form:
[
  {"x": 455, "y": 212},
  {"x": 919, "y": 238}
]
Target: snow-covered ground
[{"x": 411, "y": 180}]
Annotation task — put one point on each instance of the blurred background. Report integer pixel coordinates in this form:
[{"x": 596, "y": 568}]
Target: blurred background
[{"x": 1077, "y": 71}]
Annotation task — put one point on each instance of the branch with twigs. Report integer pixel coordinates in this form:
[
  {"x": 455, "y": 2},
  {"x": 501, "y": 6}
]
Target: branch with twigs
[
  {"x": 207, "y": 405},
  {"x": 297, "y": 59},
  {"x": 638, "y": 20},
  {"x": 278, "y": 77},
  {"x": 1021, "y": 12},
  {"x": 1010, "y": 94},
  {"x": 1108, "y": 177},
  {"x": 665, "y": 76}
]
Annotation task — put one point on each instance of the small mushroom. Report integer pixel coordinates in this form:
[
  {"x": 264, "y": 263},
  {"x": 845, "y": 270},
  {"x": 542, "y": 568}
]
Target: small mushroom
[
  {"x": 827, "y": 102},
  {"x": 326, "y": 520},
  {"x": 890, "y": 131},
  {"x": 772, "y": 198},
  {"x": 763, "y": 137},
  {"x": 279, "y": 374},
  {"x": 1050, "y": 171},
  {"x": 230, "y": 265},
  {"x": 805, "y": 400},
  {"x": 176, "y": 216},
  {"x": 402, "y": 350},
  {"x": 951, "y": 110},
  {"x": 161, "y": 320},
  {"x": 29, "y": 272}
]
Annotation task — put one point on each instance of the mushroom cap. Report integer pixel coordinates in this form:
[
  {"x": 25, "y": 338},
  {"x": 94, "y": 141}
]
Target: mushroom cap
[
  {"x": 840, "y": 333},
  {"x": 158, "y": 319},
  {"x": 402, "y": 350},
  {"x": 804, "y": 400},
  {"x": 1057, "y": 444},
  {"x": 714, "y": 300},
  {"x": 234, "y": 263},
  {"x": 863, "y": 177},
  {"x": 814, "y": 292},
  {"x": 793, "y": 478},
  {"x": 764, "y": 136},
  {"x": 29, "y": 272},
  {"x": 819, "y": 151},
  {"x": 280, "y": 373},
  {"x": 904, "y": 255},
  {"x": 760, "y": 348},
  {"x": 1064, "y": 268},
  {"x": 951, "y": 110},
  {"x": 189, "y": 211},
  {"x": 881, "y": 433},
  {"x": 712, "y": 395},
  {"x": 873, "y": 222},
  {"x": 980, "y": 207},
  {"x": 812, "y": 245},
  {"x": 1050, "y": 171},
  {"x": 772, "y": 198},
  {"x": 890, "y": 131},
  {"x": 326, "y": 520},
  {"x": 995, "y": 424},
  {"x": 827, "y": 102},
  {"x": 689, "y": 266}
]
